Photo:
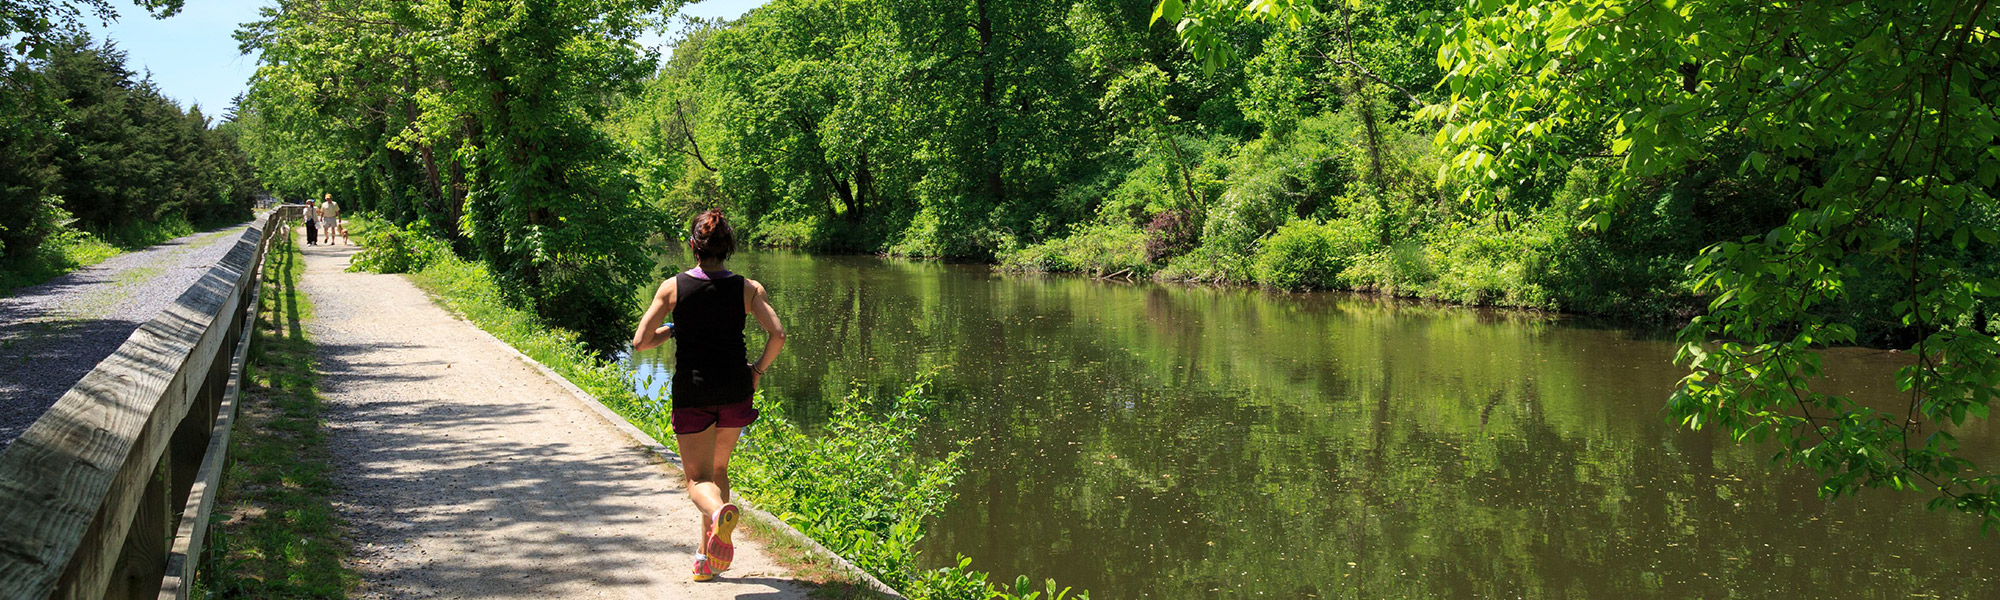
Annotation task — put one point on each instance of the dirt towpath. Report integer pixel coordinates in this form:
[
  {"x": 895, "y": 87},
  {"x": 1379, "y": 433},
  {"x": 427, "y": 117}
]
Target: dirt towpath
[{"x": 468, "y": 474}]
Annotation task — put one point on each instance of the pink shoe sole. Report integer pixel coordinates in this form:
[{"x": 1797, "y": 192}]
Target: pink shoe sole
[{"x": 717, "y": 547}]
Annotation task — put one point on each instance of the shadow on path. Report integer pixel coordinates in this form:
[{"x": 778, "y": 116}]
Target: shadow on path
[{"x": 468, "y": 474}]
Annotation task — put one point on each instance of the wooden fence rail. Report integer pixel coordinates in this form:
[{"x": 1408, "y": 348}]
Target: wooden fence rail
[{"x": 113, "y": 485}]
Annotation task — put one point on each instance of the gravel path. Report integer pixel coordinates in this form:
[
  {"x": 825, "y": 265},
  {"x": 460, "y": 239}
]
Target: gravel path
[
  {"x": 468, "y": 474},
  {"x": 52, "y": 334}
]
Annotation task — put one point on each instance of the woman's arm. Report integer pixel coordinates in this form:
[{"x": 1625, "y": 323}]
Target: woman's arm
[
  {"x": 759, "y": 305},
  {"x": 650, "y": 333}
]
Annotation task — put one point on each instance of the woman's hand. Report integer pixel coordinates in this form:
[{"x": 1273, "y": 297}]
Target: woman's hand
[
  {"x": 756, "y": 377},
  {"x": 665, "y": 331}
]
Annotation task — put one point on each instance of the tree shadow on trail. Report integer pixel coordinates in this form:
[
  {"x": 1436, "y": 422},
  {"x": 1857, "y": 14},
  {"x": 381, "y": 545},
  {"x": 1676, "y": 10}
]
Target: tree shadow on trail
[
  {"x": 516, "y": 518},
  {"x": 425, "y": 469}
]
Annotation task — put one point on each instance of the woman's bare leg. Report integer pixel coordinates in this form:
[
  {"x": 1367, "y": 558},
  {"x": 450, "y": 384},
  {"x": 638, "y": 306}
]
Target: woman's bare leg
[
  {"x": 725, "y": 444},
  {"x": 698, "y": 464}
]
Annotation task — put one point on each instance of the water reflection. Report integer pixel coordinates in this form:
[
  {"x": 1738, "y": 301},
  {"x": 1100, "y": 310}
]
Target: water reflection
[{"x": 1169, "y": 442}]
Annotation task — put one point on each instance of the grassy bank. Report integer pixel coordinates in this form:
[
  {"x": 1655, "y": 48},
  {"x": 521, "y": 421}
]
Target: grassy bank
[
  {"x": 855, "y": 485},
  {"x": 70, "y": 249},
  {"x": 277, "y": 536}
]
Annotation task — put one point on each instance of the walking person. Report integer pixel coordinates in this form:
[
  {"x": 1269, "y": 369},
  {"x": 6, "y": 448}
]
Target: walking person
[
  {"x": 330, "y": 220},
  {"x": 712, "y": 385},
  {"x": 312, "y": 222}
]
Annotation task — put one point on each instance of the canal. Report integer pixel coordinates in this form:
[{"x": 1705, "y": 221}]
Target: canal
[{"x": 1158, "y": 441}]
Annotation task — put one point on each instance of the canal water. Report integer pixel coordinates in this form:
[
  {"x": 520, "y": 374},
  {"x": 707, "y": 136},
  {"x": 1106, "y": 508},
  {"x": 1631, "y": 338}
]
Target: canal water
[{"x": 1159, "y": 441}]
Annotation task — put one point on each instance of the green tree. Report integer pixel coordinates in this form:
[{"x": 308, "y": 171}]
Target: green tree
[
  {"x": 44, "y": 24},
  {"x": 28, "y": 212},
  {"x": 478, "y": 118},
  {"x": 1875, "y": 118}
]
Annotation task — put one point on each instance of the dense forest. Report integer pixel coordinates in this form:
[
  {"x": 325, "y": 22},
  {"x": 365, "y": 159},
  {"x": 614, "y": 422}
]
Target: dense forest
[
  {"x": 94, "y": 154},
  {"x": 1079, "y": 136},
  {"x": 1775, "y": 178}
]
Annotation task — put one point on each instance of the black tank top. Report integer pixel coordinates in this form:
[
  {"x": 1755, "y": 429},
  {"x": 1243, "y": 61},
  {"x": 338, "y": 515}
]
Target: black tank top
[{"x": 709, "y": 365}]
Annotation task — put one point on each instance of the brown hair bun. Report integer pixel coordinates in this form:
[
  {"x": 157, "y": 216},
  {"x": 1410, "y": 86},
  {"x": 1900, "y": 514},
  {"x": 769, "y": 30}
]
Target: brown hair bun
[{"x": 712, "y": 237}]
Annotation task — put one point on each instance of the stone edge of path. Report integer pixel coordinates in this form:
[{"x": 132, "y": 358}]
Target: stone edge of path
[{"x": 660, "y": 450}]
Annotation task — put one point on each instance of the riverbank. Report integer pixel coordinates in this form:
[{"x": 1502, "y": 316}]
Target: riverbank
[{"x": 70, "y": 249}]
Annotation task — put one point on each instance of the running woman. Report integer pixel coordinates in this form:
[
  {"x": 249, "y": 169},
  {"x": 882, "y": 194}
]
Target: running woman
[{"x": 712, "y": 385}]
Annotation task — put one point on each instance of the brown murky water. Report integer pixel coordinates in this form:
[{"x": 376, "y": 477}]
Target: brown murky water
[{"x": 1146, "y": 441}]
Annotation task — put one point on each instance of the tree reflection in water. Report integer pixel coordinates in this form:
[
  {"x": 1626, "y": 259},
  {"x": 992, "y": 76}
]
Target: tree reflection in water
[{"x": 1175, "y": 442}]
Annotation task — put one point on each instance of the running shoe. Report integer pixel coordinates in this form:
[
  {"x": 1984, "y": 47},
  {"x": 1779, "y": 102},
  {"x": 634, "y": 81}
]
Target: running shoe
[
  {"x": 701, "y": 570},
  {"x": 717, "y": 547}
]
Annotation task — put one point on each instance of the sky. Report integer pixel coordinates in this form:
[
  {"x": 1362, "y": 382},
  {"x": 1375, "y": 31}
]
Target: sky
[{"x": 193, "y": 56}]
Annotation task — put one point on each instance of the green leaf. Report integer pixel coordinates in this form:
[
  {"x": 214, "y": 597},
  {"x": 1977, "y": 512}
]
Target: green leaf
[{"x": 1168, "y": 9}]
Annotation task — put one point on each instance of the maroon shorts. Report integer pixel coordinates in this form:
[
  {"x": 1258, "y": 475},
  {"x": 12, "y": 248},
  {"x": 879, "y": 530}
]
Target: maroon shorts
[{"x": 698, "y": 419}]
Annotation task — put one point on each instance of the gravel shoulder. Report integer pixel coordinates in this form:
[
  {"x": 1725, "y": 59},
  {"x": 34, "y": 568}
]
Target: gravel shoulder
[
  {"x": 52, "y": 334},
  {"x": 466, "y": 473}
]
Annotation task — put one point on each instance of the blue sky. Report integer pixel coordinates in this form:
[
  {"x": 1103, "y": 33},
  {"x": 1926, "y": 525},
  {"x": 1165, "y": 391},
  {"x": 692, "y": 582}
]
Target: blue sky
[{"x": 193, "y": 55}]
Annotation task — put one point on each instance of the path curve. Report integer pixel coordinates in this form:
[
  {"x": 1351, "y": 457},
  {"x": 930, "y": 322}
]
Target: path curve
[
  {"x": 466, "y": 473},
  {"x": 53, "y": 333}
]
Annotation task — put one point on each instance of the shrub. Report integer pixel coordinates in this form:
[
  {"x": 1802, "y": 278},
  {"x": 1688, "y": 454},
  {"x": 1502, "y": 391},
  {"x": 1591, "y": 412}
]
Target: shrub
[
  {"x": 1485, "y": 265},
  {"x": 774, "y": 233},
  {"x": 857, "y": 484},
  {"x": 1207, "y": 264},
  {"x": 1172, "y": 233},
  {"x": 1096, "y": 249},
  {"x": 386, "y": 248},
  {"x": 1305, "y": 254}
]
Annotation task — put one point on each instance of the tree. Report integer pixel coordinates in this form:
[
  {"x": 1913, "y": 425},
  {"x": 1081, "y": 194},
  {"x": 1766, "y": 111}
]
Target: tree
[
  {"x": 476, "y": 117},
  {"x": 28, "y": 213},
  {"x": 1876, "y": 117},
  {"x": 44, "y": 23}
]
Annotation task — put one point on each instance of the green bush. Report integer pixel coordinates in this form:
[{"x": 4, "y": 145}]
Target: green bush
[
  {"x": 961, "y": 582},
  {"x": 1488, "y": 266},
  {"x": 386, "y": 248},
  {"x": 785, "y": 234},
  {"x": 1097, "y": 250},
  {"x": 1309, "y": 255},
  {"x": 1208, "y": 264},
  {"x": 856, "y": 484},
  {"x": 58, "y": 249}
]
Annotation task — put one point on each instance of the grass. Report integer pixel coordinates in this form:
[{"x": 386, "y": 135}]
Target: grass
[
  {"x": 72, "y": 249},
  {"x": 58, "y": 256},
  {"x": 278, "y": 536}
]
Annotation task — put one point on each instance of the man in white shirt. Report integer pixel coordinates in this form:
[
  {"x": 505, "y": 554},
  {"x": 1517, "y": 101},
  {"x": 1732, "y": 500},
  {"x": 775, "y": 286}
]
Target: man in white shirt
[{"x": 330, "y": 220}]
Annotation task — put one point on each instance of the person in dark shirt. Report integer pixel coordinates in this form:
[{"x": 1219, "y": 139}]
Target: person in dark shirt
[
  {"x": 712, "y": 384},
  {"x": 312, "y": 222}
]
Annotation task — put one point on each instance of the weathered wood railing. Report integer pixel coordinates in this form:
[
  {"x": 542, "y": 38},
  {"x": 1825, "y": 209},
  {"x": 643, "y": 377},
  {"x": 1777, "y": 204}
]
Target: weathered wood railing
[{"x": 108, "y": 494}]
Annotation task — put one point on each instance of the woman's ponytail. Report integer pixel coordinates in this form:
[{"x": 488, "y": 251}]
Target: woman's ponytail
[{"x": 712, "y": 237}]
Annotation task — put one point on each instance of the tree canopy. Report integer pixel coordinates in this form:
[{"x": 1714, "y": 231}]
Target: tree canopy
[{"x": 476, "y": 119}]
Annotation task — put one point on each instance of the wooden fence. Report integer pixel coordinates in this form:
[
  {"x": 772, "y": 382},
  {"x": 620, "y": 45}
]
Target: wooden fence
[{"x": 108, "y": 494}]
